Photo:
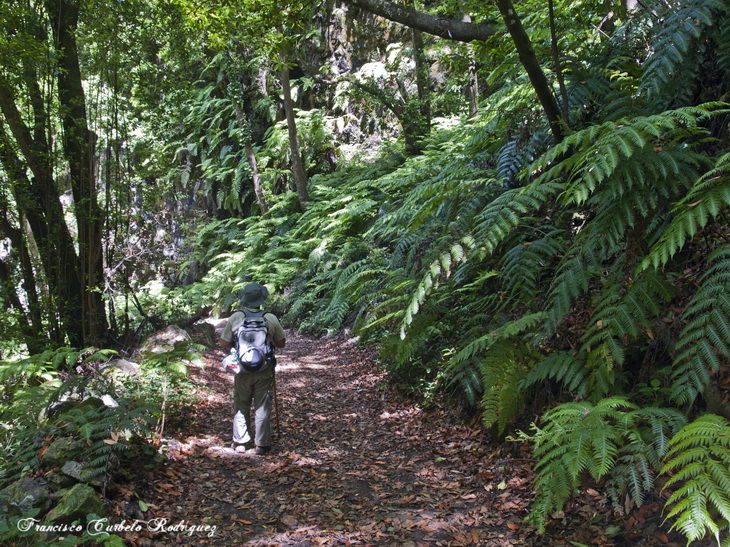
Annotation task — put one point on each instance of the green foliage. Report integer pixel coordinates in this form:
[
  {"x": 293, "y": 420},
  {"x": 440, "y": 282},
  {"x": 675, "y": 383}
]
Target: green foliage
[
  {"x": 57, "y": 394},
  {"x": 674, "y": 46},
  {"x": 513, "y": 273},
  {"x": 709, "y": 196},
  {"x": 561, "y": 367},
  {"x": 581, "y": 438},
  {"x": 705, "y": 339},
  {"x": 698, "y": 459}
]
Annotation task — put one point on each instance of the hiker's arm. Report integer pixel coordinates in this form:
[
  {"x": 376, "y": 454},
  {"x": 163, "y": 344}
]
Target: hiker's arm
[
  {"x": 278, "y": 337},
  {"x": 226, "y": 339}
]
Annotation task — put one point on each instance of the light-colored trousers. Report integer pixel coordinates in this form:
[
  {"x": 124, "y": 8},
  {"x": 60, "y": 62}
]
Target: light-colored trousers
[{"x": 253, "y": 388}]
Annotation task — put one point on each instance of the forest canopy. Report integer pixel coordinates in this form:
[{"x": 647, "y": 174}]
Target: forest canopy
[{"x": 522, "y": 205}]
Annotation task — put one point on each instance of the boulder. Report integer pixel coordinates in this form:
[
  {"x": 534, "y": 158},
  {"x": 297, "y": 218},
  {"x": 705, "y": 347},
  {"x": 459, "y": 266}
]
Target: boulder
[
  {"x": 72, "y": 469},
  {"x": 76, "y": 470},
  {"x": 59, "y": 481},
  {"x": 25, "y": 494},
  {"x": 76, "y": 503},
  {"x": 60, "y": 451},
  {"x": 168, "y": 339},
  {"x": 122, "y": 367}
]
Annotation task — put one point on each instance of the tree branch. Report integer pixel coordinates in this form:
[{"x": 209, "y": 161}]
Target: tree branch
[{"x": 451, "y": 29}]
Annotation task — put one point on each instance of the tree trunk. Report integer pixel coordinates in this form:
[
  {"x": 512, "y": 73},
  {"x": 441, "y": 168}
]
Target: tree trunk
[
  {"x": 529, "y": 61},
  {"x": 31, "y": 322},
  {"x": 78, "y": 147},
  {"x": 37, "y": 199},
  {"x": 32, "y": 338},
  {"x": 421, "y": 123},
  {"x": 556, "y": 61},
  {"x": 245, "y": 123},
  {"x": 300, "y": 177},
  {"x": 451, "y": 29},
  {"x": 472, "y": 88}
]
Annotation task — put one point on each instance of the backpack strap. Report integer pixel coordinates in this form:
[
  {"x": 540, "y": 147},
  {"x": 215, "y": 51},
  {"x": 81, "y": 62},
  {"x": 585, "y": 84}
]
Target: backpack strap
[{"x": 249, "y": 313}]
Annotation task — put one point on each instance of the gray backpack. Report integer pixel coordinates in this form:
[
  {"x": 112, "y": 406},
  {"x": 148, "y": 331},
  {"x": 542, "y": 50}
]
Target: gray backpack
[{"x": 252, "y": 344}]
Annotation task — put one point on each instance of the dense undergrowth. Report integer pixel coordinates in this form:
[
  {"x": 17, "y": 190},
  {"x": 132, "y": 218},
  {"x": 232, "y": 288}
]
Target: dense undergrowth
[
  {"x": 584, "y": 281},
  {"x": 73, "y": 423},
  {"x": 575, "y": 293}
]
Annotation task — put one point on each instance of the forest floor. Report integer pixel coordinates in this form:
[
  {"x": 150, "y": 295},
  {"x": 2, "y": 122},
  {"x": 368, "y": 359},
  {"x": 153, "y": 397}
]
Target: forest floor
[{"x": 356, "y": 463}]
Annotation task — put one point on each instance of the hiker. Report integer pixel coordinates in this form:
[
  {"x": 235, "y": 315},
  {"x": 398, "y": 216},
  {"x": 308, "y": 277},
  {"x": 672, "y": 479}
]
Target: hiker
[{"x": 253, "y": 386}]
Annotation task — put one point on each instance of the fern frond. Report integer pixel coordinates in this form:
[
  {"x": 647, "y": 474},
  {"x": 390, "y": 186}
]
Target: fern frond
[
  {"x": 562, "y": 367},
  {"x": 708, "y": 197},
  {"x": 698, "y": 459},
  {"x": 502, "y": 367},
  {"x": 705, "y": 339},
  {"x": 673, "y": 44}
]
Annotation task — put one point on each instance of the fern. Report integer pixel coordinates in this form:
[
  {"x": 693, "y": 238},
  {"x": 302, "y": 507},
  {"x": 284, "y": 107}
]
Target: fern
[
  {"x": 705, "y": 339},
  {"x": 624, "y": 148},
  {"x": 709, "y": 196},
  {"x": 698, "y": 459},
  {"x": 569, "y": 283},
  {"x": 494, "y": 223},
  {"x": 607, "y": 439},
  {"x": 626, "y": 318},
  {"x": 673, "y": 52},
  {"x": 525, "y": 262},
  {"x": 561, "y": 367},
  {"x": 503, "y": 366},
  {"x": 441, "y": 266},
  {"x": 577, "y": 437}
]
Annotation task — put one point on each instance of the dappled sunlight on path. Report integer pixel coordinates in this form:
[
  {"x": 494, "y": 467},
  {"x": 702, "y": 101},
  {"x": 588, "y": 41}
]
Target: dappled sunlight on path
[{"x": 353, "y": 463}]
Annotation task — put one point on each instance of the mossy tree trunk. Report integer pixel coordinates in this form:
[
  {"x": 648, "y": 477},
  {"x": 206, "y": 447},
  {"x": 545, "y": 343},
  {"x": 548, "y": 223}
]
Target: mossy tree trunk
[
  {"x": 78, "y": 145},
  {"x": 300, "y": 176}
]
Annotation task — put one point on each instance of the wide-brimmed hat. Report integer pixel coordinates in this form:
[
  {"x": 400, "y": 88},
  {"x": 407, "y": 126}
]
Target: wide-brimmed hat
[{"x": 253, "y": 295}]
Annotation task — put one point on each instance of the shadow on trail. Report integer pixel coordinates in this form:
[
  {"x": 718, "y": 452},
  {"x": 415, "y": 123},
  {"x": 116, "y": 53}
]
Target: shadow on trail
[
  {"x": 350, "y": 463},
  {"x": 353, "y": 463}
]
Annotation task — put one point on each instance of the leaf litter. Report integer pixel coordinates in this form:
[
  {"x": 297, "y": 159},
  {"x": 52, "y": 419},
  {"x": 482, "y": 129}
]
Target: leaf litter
[{"x": 356, "y": 463}]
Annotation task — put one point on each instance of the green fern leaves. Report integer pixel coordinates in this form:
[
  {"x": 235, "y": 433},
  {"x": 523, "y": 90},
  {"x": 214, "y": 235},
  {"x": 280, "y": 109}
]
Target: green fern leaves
[
  {"x": 614, "y": 434},
  {"x": 698, "y": 459},
  {"x": 673, "y": 51},
  {"x": 705, "y": 339},
  {"x": 441, "y": 266},
  {"x": 708, "y": 197}
]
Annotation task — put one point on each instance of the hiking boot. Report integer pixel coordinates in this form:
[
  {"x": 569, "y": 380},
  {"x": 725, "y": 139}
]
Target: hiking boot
[
  {"x": 261, "y": 450},
  {"x": 241, "y": 447}
]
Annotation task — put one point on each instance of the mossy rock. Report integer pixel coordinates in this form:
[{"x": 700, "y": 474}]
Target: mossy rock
[
  {"x": 25, "y": 494},
  {"x": 166, "y": 340},
  {"x": 76, "y": 503},
  {"x": 60, "y": 451}
]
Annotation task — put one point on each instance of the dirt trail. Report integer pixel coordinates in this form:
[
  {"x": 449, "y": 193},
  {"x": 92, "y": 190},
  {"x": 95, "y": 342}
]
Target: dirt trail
[{"x": 353, "y": 464}]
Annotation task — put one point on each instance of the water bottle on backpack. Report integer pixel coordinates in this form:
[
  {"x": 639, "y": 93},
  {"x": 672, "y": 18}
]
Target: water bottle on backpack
[{"x": 230, "y": 363}]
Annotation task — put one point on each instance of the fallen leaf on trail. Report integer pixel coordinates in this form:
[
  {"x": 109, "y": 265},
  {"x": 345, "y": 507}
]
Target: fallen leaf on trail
[{"x": 345, "y": 476}]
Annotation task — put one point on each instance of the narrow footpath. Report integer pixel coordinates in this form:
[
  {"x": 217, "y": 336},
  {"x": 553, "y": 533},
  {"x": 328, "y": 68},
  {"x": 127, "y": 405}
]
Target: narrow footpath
[{"x": 353, "y": 463}]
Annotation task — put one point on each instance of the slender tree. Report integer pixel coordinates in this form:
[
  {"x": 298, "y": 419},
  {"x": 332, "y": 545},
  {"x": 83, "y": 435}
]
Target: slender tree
[{"x": 300, "y": 176}]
